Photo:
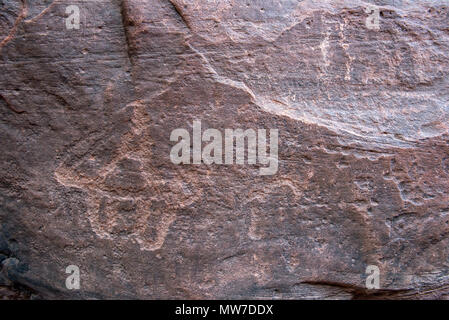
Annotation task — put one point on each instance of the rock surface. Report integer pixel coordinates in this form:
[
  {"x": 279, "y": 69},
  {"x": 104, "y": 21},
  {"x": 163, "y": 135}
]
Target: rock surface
[{"x": 86, "y": 177}]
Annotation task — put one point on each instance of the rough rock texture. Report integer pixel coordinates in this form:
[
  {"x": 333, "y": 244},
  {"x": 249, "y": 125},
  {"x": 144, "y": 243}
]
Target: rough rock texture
[{"x": 86, "y": 178}]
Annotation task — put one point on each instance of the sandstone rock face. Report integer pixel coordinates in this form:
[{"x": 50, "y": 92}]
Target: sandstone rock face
[{"x": 86, "y": 178}]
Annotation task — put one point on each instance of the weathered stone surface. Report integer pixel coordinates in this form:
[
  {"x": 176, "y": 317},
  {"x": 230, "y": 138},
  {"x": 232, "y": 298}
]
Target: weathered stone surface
[{"x": 86, "y": 177}]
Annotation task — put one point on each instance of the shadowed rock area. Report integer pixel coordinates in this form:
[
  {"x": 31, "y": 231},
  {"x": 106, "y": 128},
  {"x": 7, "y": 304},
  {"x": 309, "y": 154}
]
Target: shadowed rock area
[{"x": 86, "y": 177}]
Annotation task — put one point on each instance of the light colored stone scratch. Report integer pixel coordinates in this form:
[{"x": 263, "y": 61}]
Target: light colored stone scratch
[
  {"x": 22, "y": 15},
  {"x": 236, "y": 84},
  {"x": 43, "y": 12}
]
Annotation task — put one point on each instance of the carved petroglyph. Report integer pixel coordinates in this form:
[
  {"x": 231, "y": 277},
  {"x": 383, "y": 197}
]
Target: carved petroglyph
[{"x": 127, "y": 197}]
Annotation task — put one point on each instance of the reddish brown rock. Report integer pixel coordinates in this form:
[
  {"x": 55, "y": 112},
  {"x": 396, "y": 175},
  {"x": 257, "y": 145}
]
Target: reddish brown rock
[{"x": 87, "y": 180}]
